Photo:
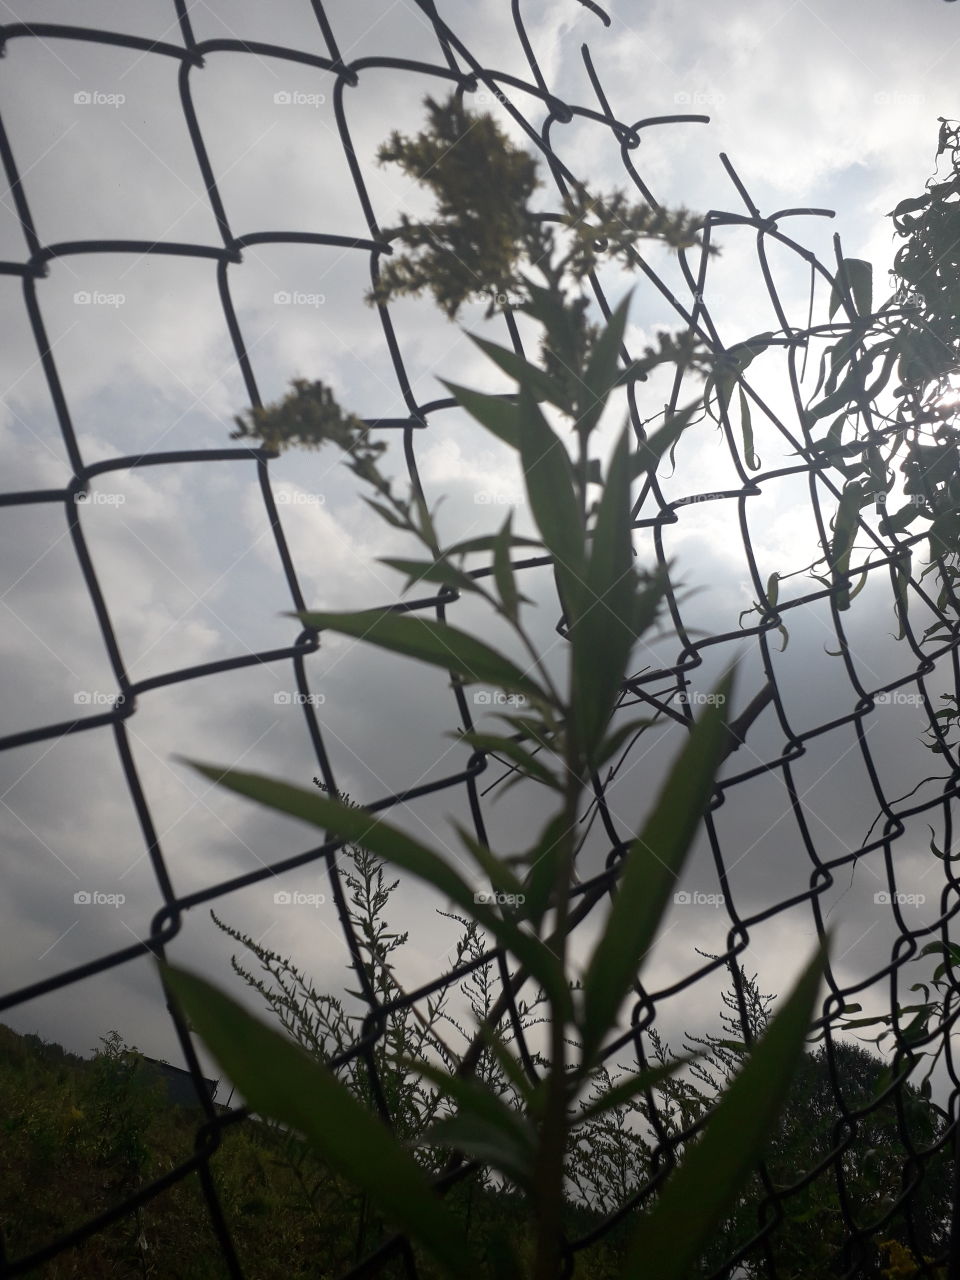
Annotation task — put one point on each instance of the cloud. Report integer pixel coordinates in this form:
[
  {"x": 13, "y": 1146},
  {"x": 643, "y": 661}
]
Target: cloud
[{"x": 813, "y": 107}]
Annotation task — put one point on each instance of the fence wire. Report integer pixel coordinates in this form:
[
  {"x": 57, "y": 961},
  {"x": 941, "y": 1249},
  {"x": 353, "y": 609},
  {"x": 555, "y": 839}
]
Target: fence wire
[{"x": 663, "y": 691}]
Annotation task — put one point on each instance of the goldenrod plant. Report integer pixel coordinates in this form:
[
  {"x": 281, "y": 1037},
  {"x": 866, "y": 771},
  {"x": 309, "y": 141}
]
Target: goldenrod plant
[{"x": 485, "y": 238}]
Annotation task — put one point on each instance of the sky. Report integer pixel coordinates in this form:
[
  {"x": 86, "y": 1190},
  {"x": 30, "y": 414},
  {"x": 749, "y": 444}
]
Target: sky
[{"x": 815, "y": 106}]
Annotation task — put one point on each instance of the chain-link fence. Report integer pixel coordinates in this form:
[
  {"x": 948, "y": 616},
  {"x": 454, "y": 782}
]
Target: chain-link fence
[{"x": 782, "y": 747}]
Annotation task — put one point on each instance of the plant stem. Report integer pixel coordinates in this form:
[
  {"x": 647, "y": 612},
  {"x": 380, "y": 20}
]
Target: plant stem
[{"x": 554, "y": 1128}]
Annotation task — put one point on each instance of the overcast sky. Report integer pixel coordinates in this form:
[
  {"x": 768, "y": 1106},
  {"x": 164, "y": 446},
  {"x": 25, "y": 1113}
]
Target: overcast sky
[{"x": 816, "y": 105}]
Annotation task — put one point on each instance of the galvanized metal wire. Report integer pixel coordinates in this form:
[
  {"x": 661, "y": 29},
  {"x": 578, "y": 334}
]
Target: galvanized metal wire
[{"x": 447, "y": 59}]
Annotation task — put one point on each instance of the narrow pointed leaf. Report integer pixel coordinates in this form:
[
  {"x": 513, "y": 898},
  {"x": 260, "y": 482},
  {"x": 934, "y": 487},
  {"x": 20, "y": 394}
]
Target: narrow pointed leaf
[
  {"x": 603, "y": 636},
  {"x": 542, "y": 875},
  {"x": 493, "y": 742},
  {"x": 499, "y": 874},
  {"x": 844, "y": 535},
  {"x": 648, "y": 455},
  {"x": 435, "y": 643},
  {"x": 476, "y": 1099},
  {"x": 548, "y": 474},
  {"x": 480, "y": 1140},
  {"x": 503, "y": 575},
  {"x": 746, "y": 426},
  {"x": 859, "y": 276},
  {"x": 497, "y": 413},
  {"x": 651, "y": 867},
  {"x": 385, "y": 513},
  {"x": 280, "y": 1081},
  {"x": 671, "y": 1238},
  {"x": 600, "y": 375},
  {"x": 537, "y": 380},
  {"x": 731, "y": 366},
  {"x": 433, "y": 571},
  {"x": 488, "y": 542},
  {"x": 370, "y": 832}
]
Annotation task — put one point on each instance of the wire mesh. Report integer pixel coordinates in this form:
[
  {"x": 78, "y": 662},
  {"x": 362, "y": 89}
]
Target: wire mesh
[{"x": 666, "y": 690}]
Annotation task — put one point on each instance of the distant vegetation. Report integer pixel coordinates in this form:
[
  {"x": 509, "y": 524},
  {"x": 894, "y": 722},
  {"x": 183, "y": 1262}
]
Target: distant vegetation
[{"x": 79, "y": 1136}]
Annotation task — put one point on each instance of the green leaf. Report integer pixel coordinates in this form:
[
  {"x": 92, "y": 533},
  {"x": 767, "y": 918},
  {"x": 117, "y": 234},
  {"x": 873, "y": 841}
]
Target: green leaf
[
  {"x": 280, "y": 1081},
  {"x": 503, "y": 575},
  {"x": 433, "y": 571},
  {"x": 901, "y": 590},
  {"x": 537, "y": 380},
  {"x": 503, "y": 1126},
  {"x": 910, "y": 205},
  {"x": 900, "y": 520},
  {"x": 858, "y": 274},
  {"x": 532, "y": 727},
  {"x": 848, "y": 390},
  {"x": 601, "y": 373},
  {"x": 370, "y": 832},
  {"x": 385, "y": 513},
  {"x": 548, "y": 474},
  {"x": 603, "y": 636},
  {"x": 917, "y": 1028},
  {"x": 883, "y": 1020},
  {"x": 497, "y": 413},
  {"x": 478, "y": 1139},
  {"x": 844, "y": 533},
  {"x": 501, "y": 746},
  {"x": 497, "y": 871},
  {"x": 435, "y": 643},
  {"x": 487, "y": 542},
  {"x": 746, "y": 426},
  {"x": 647, "y": 458},
  {"x": 651, "y": 867},
  {"x": 542, "y": 875},
  {"x": 840, "y": 356},
  {"x": 730, "y": 368},
  {"x": 671, "y": 1238}
]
